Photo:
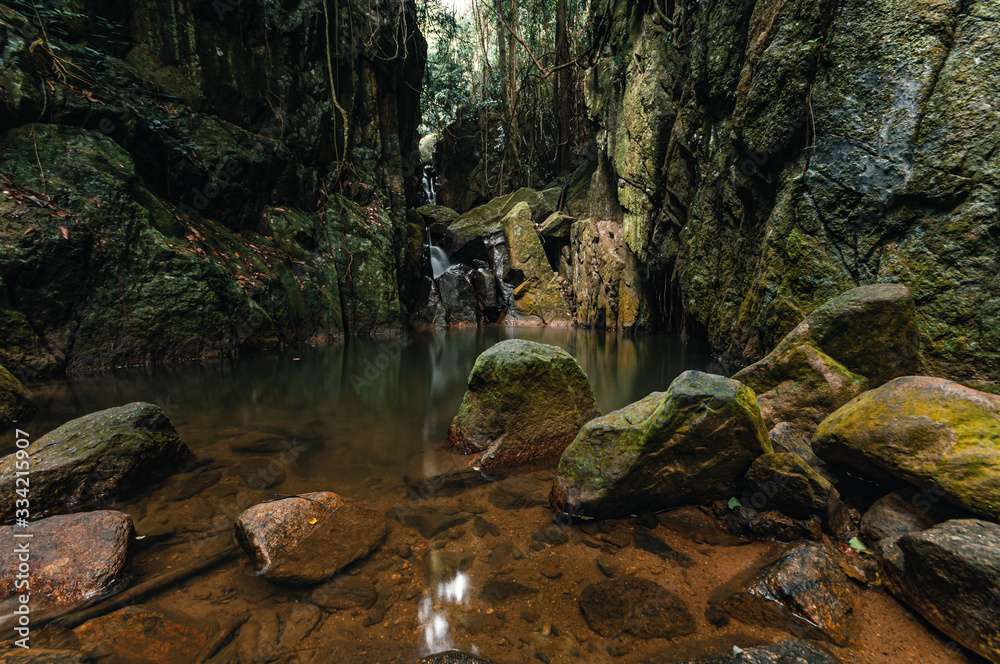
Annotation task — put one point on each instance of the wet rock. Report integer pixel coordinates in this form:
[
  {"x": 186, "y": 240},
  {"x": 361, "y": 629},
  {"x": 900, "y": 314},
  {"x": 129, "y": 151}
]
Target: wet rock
[
  {"x": 804, "y": 591},
  {"x": 746, "y": 522},
  {"x": 487, "y": 293},
  {"x": 96, "y": 458},
  {"x": 635, "y": 606},
  {"x": 73, "y": 557},
  {"x": 15, "y": 400},
  {"x": 261, "y": 473},
  {"x": 452, "y": 657},
  {"x": 429, "y": 520},
  {"x": 930, "y": 432},
  {"x": 647, "y": 541},
  {"x": 800, "y": 385},
  {"x": 537, "y": 293},
  {"x": 608, "y": 565},
  {"x": 442, "y": 565},
  {"x": 787, "y": 483},
  {"x": 256, "y": 442},
  {"x": 891, "y": 517},
  {"x": 520, "y": 492},
  {"x": 306, "y": 539},
  {"x": 498, "y": 590},
  {"x": 951, "y": 576},
  {"x": 525, "y": 403},
  {"x": 689, "y": 444},
  {"x": 693, "y": 524},
  {"x": 185, "y": 485},
  {"x": 458, "y": 296},
  {"x": 346, "y": 592},
  {"x": 137, "y": 635},
  {"x": 792, "y": 651}
]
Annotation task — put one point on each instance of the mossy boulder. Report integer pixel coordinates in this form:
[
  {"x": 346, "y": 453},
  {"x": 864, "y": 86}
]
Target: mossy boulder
[
  {"x": 800, "y": 385},
  {"x": 437, "y": 217},
  {"x": 693, "y": 442},
  {"x": 525, "y": 403},
  {"x": 537, "y": 292},
  {"x": 932, "y": 432},
  {"x": 99, "y": 457},
  {"x": 480, "y": 222},
  {"x": 951, "y": 576},
  {"x": 15, "y": 400}
]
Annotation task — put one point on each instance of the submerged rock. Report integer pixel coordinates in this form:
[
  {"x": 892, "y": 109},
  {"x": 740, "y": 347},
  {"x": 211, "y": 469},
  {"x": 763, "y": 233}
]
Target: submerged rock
[
  {"x": 804, "y": 591},
  {"x": 95, "y": 458},
  {"x": 15, "y": 400},
  {"x": 306, "y": 539},
  {"x": 692, "y": 443},
  {"x": 931, "y": 432},
  {"x": 951, "y": 576},
  {"x": 636, "y": 606},
  {"x": 525, "y": 403},
  {"x": 137, "y": 635},
  {"x": 73, "y": 557}
]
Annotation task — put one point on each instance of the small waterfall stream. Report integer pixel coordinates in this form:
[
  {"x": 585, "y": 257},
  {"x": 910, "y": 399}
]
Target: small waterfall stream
[{"x": 429, "y": 183}]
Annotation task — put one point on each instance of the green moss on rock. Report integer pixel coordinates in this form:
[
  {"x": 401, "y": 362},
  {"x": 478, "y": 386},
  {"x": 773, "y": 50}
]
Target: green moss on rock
[
  {"x": 692, "y": 443},
  {"x": 931, "y": 432},
  {"x": 525, "y": 402}
]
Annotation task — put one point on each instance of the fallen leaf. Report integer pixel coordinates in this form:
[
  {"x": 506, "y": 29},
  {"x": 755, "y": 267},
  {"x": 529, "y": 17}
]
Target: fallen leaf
[
  {"x": 97, "y": 203},
  {"x": 64, "y": 231}
]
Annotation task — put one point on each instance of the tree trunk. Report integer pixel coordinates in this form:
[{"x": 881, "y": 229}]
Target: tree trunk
[{"x": 562, "y": 92}]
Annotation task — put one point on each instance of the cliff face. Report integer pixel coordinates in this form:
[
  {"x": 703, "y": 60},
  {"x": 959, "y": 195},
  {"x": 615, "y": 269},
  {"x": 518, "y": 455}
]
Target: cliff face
[
  {"x": 188, "y": 179},
  {"x": 765, "y": 156}
]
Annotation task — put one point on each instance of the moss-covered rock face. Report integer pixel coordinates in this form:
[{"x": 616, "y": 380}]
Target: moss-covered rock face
[
  {"x": 931, "y": 432},
  {"x": 691, "y": 443},
  {"x": 481, "y": 222},
  {"x": 950, "y": 574},
  {"x": 525, "y": 403},
  {"x": 190, "y": 199},
  {"x": 96, "y": 458},
  {"x": 768, "y": 156},
  {"x": 15, "y": 400}
]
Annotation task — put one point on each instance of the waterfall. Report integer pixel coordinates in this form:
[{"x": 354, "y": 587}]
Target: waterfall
[
  {"x": 430, "y": 184},
  {"x": 440, "y": 263}
]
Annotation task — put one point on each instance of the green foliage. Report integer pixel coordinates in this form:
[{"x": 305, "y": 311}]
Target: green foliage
[{"x": 450, "y": 54}]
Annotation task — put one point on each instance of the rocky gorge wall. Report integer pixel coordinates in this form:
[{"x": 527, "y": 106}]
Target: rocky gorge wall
[
  {"x": 761, "y": 157},
  {"x": 188, "y": 180}
]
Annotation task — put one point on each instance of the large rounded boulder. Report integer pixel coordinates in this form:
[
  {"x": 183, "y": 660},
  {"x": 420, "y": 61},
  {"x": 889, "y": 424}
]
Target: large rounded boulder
[
  {"x": 306, "y": 539},
  {"x": 931, "y": 432},
  {"x": 693, "y": 442},
  {"x": 525, "y": 403},
  {"x": 99, "y": 457}
]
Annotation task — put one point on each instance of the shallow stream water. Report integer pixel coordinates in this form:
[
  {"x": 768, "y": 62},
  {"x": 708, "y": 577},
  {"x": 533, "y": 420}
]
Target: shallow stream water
[{"x": 489, "y": 570}]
